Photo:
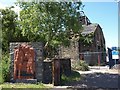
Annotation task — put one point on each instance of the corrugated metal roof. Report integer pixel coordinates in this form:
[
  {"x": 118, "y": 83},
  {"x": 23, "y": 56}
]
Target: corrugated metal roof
[{"x": 87, "y": 29}]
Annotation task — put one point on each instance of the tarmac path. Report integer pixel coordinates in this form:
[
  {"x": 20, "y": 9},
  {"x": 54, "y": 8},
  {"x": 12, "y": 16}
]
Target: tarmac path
[{"x": 98, "y": 77}]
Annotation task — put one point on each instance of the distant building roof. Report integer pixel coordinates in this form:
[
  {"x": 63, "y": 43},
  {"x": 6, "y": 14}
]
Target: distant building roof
[{"x": 87, "y": 29}]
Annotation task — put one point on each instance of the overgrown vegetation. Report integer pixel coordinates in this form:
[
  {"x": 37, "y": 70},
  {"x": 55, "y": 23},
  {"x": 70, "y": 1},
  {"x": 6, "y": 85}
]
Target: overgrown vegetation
[
  {"x": 74, "y": 76},
  {"x": 81, "y": 65},
  {"x": 1, "y": 79},
  {"x": 4, "y": 68},
  {"x": 87, "y": 39}
]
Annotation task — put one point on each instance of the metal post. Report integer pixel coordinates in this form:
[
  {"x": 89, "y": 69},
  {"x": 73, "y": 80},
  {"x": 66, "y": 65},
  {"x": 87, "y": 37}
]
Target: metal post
[
  {"x": 115, "y": 63},
  {"x": 99, "y": 60}
]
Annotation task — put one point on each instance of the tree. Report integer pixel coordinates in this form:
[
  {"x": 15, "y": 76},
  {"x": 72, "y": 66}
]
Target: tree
[
  {"x": 10, "y": 28},
  {"x": 49, "y": 22}
]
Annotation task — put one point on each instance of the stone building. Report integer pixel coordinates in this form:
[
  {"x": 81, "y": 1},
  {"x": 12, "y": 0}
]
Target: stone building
[{"x": 93, "y": 53}]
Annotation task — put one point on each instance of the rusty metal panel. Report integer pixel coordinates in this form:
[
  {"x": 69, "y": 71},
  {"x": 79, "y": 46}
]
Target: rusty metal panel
[{"x": 56, "y": 72}]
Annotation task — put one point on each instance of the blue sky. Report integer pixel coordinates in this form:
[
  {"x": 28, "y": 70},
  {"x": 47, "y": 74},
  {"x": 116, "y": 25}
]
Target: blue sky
[{"x": 103, "y": 13}]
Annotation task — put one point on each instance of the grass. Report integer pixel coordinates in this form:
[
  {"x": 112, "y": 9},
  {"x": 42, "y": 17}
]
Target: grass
[
  {"x": 22, "y": 85},
  {"x": 1, "y": 79},
  {"x": 74, "y": 76}
]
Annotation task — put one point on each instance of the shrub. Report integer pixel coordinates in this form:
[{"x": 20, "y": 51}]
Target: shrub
[
  {"x": 5, "y": 67},
  {"x": 81, "y": 65}
]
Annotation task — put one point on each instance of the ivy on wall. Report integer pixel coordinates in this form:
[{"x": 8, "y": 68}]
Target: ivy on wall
[{"x": 87, "y": 39}]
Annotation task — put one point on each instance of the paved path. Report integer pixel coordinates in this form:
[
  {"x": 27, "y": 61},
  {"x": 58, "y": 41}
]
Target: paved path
[
  {"x": 97, "y": 77},
  {"x": 100, "y": 69}
]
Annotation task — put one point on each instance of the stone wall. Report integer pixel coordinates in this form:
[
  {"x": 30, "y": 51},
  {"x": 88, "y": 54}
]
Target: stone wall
[
  {"x": 38, "y": 47},
  {"x": 90, "y": 58},
  {"x": 47, "y": 72},
  {"x": 71, "y": 52}
]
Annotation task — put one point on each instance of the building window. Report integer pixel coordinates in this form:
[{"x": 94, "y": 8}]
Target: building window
[{"x": 98, "y": 47}]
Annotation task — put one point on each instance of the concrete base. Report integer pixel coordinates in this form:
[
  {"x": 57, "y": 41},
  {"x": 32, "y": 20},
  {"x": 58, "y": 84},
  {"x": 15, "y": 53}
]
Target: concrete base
[{"x": 31, "y": 81}]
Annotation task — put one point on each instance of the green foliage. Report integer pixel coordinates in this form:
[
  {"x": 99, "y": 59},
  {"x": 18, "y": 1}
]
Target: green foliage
[
  {"x": 74, "y": 76},
  {"x": 5, "y": 67},
  {"x": 10, "y": 29},
  {"x": 81, "y": 65},
  {"x": 87, "y": 39},
  {"x": 49, "y": 22},
  {"x": 1, "y": 78}
]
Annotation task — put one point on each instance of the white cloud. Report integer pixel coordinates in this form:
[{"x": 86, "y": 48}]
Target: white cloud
[
  {"x": 17, "y": 10},
  {"x": 2, "y": 6}
]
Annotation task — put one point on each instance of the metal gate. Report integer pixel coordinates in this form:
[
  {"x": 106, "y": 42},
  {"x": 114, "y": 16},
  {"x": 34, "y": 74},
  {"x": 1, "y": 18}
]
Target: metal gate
[{"x": 56, "y": 72}]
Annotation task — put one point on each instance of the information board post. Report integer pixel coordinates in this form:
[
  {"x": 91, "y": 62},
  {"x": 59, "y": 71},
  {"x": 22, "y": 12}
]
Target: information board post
[
  {"x": 115, "y": 63},
  {"x": 115, "y": 56}
]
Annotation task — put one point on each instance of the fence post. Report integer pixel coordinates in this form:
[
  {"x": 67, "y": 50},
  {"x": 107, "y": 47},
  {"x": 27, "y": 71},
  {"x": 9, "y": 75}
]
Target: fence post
[
  {"x": 99, "y": 60},
  {"x": 56, "y": 72}
]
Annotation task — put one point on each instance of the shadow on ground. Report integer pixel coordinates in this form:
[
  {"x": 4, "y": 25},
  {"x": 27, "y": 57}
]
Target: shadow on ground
[
  {"x": 96, "y": 80},
  {"x": 73, "y": 77}
]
